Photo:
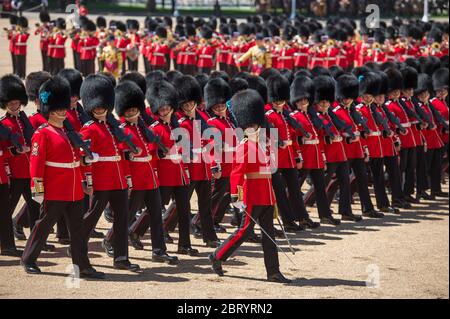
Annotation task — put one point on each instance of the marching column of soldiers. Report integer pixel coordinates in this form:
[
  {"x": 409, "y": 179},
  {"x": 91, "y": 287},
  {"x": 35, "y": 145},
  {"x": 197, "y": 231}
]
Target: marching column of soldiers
[{"x": 352, "y": 109}]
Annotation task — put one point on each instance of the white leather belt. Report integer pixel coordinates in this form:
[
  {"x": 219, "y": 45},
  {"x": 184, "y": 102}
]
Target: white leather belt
[
  {"x": 338, "y": 139},
  {"x": 311, "y": 142},
  {"x": 20, "y": 44},
  {"x": 301, "y": 54},
  {"x": 141, "y": 159},
  {"x": 446, "y": 122},
  {"x": 203, "y": 56},
  {"x": 375, "y": 134},
  {"x": 285, "y": 58},
  {"x": 414, "y": 122},
  {"x": 407, "y": 124},
  {"x": 357, "y": 133},
  {"x": 63, "y": 165},
  {"x": 158, "y": 54},
  {"x": 287, "y": 142},
  {"x": 173, "y": 157},
  {"x": 56, "y": 46},
  {"x": 121, "y": 49},
  {"x": 189, "y": 53},
  {"x": 88, "y": 48},
  {"x": 109, "y": 158},
  {"x": 318, "y": 59}
]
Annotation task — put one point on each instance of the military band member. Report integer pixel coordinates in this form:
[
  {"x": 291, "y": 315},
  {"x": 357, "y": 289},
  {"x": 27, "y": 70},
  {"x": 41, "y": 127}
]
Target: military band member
[
  {"x": 133, "y": 45},
  {"x": 259, "y": 56},
  {"x": 87, "y": 46},
  {"x": 109, "y": 182},
  {"x": 44, "y": 31},
  {"x": 102, "y": 35},
  {"x": 55, "y": 168},
  {"x": 111, "y": 58},
  {"x": 56, "y": 47},
  {"x": 20, "y": 40},
  {"x": 251, "y": 187}
]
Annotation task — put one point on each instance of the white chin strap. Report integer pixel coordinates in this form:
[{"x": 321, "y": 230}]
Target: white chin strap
[
  {"x": 133, "y": 117},
  {"x": 13, "y": 112},
  {"x": 96, "y": 115}
]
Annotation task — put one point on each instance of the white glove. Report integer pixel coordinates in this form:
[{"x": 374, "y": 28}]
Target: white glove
[
  {"x": 94, "y": 160},
  {"x": 239, "y": 205}
]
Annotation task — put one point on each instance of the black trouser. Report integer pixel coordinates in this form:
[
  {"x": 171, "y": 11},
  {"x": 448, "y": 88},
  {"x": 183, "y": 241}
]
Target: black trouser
[
  {"x": 56, "y": 65},
  {"x": 408, "y": 164},
  {"x": 220, "y": 198},
  {"x": 181, "y": 196},
  {"x": 22, "y": 187},
  {"x": 434, "y": 164},
  {"x": 101, "y": 65},
  {"x": 376, "y": 167},
  {"x": 263, "y": 214},
  {"x": 151, "y": 217},
  {"x": 51, "y": 213},
  {"x": 318, "y": 180},
  {"x": 87, "y": 67},
  {"x": 6, "y": 225},
  {"x": 189, "y": 69},
  {"x": 358, "y": 165},
  {"x": 203, "y": 191},
  {"x": 133, "y": 65},
  {"x": 13, "y": 60},
  {"x": 292, "y": 207},
  {"x": 421, "y": 170},
  {"x": 341, "y": 171},
  {"x": 21, "y": 65},
  {"x": 159, "y": 67},
  {"x": 393, "y": 171},
  {"x": 118, "y": 200},
  {"x": 45, "y": 66}
]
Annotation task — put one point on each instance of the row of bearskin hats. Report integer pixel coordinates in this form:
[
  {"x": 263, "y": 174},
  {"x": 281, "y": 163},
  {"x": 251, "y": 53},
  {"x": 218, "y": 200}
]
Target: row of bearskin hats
[{"x": 173, "y": 88}]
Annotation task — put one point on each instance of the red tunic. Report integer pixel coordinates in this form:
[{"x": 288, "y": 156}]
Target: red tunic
[
  {"x": 334, "y": 151},
  {"x": 51, "y": 147},
  {"x": 88, "y": 48},
  {"x": 257, "y": 191},
  {"x": 354, "y": 149},
  {"x": 58, "y": 46},
  {"x": 226, "y": 128},
  {"x": 108, "y": 172},
  {"x": 37, "y": 119},
  {"x": 158, "y": 54},
  {"x": 20, "y": 43},
  {"x": 286, "y": 156},
  {"x": 171, "y": 169},
  {"x": 387, "y": 143},
  {"x": 19, "y": 164},
  {"x": 373, "y": 141},
  {"x": 408, "y": 140},
  {"x": 141, "y": 168},
  {"x": 302, "y": 57},
  {"x": 206, "y": 56},
  {"x": 442, "y": 108},
  {"x": 286, "y": 58},
  {"x": 311, "y": 149},
  {"x": 432, "y": 138}
]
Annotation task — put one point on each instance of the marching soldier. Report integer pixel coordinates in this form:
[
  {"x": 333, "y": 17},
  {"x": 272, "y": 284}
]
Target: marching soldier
[
  {"x": 251, "y": 187},
  {"x": 102, "y": 35},
  {"x": 162, "y": 98},
  {"x": 129, "y": 104},
  {"x": 55, "y": 168},
  {"x": 57, "y": 47},
  {"x": 206, "y": 52},
  {"x": 160, "y": 51},
  {"x": 133, "y": 46},
  {"x": 106, "y": 178}
]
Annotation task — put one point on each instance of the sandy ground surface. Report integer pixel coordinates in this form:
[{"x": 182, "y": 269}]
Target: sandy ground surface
[{"x": 400, "y": 256}]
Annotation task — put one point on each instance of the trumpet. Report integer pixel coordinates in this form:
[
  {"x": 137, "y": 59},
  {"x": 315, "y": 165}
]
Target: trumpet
[
  {"x": 436, "y": 46},
  {"x": 376, "y": 46}
]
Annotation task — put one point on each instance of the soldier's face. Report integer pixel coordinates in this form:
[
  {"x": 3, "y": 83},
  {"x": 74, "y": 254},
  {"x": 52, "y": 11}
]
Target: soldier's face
[
  {"x": 408, "y": 92},
  {"x": 189, "y": 107},
  {"x": 58, "y": 116},
  {"x": 367, "y": 98},
  {"x": 380, "y": 99},
  {"x": 302, "y": 104},
  {"x": 323, "y": 105},
  {"x": 395, "y": 94},
  {"x": 132, "y": 114},
  {"x": 442, "y": 94},
  {"x": 424, "y": 96},
  {"x": 220, "y": 109},
  {"x": 347, "y": 102},
  {"x": 165, "y": 111},
  {"x": 99, "y": 112},
  {"x": 14, "y": 106}
]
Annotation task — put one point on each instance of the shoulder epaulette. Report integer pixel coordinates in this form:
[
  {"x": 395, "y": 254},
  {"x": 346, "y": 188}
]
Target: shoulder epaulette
[
  {"x": 123, "y": 125},
  {"x": 359, "y": 106},
  {"x": 182, "y": 119},
  {"x": 42, "y": 126},
  {"x": 433, "y": 99},
  {"x": 212, "y": 118},
  {"x": 2, "y": 118},
  {"x": 337, "y": 108},
  {"x": 244, "y": 140},
  {"x": 154, "y": 124},
  {"x": 88, "y": 123},
  {"x": 269, "y": 112}
]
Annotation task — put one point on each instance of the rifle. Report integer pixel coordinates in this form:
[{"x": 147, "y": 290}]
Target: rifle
[
  {"x": 423, "y": 115},
  {"x": 438, "y": 116},
  {"x": 394, "y": 119},
  {"x": 147, "y": 118},
  {"x": 82, "y": 115},
  {"x": 28, "y": 128},
  {"x": 76, "y": 140},
  {"x": 294, "y": 124},
  {"x": 380, "y": 120},
  {"x": 119, "y": 134},
  {"x": 341, "y": 125},
  {"x": 8, "y": 135},
  {"x": 410, "y": 113},
  {"x": 203, "y": 124},
  {"x": 359, "y": 119},
  {"x": 319, "y": 124},
  {"x": 151, "y": 137}
]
